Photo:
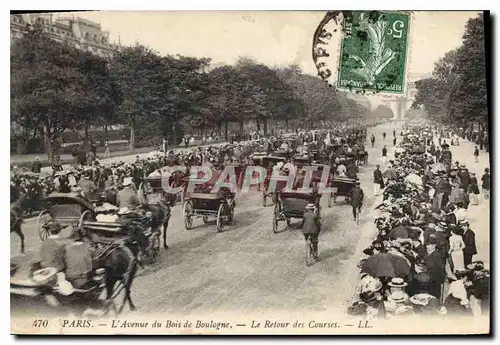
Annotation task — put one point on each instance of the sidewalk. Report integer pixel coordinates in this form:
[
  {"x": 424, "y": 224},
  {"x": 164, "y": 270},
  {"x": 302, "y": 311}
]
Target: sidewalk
[{"x": 479, "y": 215}]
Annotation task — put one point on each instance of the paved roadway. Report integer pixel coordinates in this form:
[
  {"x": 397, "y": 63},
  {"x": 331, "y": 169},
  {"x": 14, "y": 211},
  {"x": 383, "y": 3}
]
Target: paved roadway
[{"x": 248, "y": 267}]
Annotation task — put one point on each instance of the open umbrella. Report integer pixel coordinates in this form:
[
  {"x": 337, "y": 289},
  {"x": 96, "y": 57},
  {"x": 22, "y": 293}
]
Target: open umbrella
[
  {"x": 415, "y": 179},
  {"x": 399, "y": 232},
  {"x": 386, "y": 265},
  {"x": 437, "y": 167}
]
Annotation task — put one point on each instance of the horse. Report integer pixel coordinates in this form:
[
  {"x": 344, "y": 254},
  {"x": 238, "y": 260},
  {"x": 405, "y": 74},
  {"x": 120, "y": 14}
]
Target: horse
[
  {"x": 120, "y": 265},
  {"x": 16, "y": 217},
  {"x": 161, "y": 213}
]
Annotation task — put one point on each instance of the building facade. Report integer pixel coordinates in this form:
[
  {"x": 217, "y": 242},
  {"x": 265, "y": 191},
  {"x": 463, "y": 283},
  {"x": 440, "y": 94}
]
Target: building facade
[{"x": 82, "y": 33}]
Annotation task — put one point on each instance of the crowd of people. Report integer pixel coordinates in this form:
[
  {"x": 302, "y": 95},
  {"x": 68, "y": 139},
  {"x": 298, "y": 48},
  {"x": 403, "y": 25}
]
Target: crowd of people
[{"x": 421, "y": 261}]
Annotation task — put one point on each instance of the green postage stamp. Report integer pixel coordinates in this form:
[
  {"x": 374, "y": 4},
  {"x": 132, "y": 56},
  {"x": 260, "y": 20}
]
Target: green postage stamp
[{"x": 373, "y": 51}]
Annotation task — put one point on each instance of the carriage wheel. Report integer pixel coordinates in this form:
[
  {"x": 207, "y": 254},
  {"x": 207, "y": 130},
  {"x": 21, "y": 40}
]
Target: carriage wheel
[
  {"x": 109, "y": 308},
  {"x": 44, "y": 218},
  {"x": 230, "y": 216},
  {"x": 188, "y": 215},
  {"x": 220, "y": 217},
  {"x": 86, "y": 216},
  {"x": 276, "y": 218}
]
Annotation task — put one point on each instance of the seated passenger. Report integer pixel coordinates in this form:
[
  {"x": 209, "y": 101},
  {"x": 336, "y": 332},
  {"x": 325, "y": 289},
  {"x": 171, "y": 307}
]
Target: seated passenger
[{"x": 78, "y": 261}]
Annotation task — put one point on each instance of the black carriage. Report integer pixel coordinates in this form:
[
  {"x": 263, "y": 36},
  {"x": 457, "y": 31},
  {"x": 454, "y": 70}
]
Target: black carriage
[
  {"x": 150, "y": 186},
  {"x": 292, "y": 205},
  {"x": 209, "y": 205},
  {"x": 302, "y": 160},
  {"x": 100, "y": 232},
  {"x": 257, "y": 158},
  {"x": 362, "y": 157},
  {"x": 341, "y": 186},
  {"x": 268, "y": 162},
  {"x": 283, "y": 154},
  {"x": 67, "y": 209}
]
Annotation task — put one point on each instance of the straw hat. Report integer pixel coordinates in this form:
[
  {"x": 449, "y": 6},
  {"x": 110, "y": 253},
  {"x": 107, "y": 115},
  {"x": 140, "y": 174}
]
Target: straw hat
[
  {"x": 123, "y": 211},
  {"x": 45, "y": 275},
  {"x": 310, "y": 206}
]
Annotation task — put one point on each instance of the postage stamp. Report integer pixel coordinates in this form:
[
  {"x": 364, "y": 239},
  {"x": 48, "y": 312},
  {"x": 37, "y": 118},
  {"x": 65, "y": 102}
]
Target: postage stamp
[
  {"x": 223, "y": 181},
  {"x": 372, "y": 53}
]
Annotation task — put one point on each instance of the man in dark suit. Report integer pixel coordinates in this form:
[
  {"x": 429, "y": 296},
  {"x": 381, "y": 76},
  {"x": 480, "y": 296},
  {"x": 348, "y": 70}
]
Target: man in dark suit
[
  {"x": 311, "y": 226},
  {"x": 356, "y": 196},
  {"x": 469, "y": 238},
  {"x": 378, "y": 181},
  {"x": 434, "y": 264}
]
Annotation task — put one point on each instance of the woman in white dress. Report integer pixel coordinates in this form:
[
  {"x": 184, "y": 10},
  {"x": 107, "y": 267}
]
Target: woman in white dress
[{"x": 456, "y": 251}]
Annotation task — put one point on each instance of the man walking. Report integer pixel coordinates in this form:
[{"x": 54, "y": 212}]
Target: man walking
[
  {"x": 356, "y": 197},
  {"x": 476, "y": 155},
  {"x": 384, "y": 154},
  {"x": 37, "y": 166},
  {"x": 469, "y": 238},
  {"x": 486, "y": 183},
  {"x": 378, "y": 181},
  {"x": 106, "y": 149}
]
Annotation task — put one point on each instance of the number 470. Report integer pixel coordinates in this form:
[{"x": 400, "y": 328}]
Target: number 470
[
  {"x": 397, "y": 29},
  {"x": 40, "y": 323}
]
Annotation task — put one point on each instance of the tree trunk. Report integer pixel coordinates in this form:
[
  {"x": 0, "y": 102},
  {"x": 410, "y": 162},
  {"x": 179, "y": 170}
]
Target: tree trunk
[
  {"x": 86, "y": 133},
  {"x": 225, "y": 131},
  {"x": 265, "y": 126},
  {"x": 241, "y": 127},
  {"x": 258, "y": 125},
  {"x": 132, "y": 135},
  {"x": 286, "y": 125},
  {"x": 174, "y": 134},
  {"x": 47, "y": 138}
]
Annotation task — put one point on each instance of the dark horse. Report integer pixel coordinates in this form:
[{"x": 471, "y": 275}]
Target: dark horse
[
  {"x": 161, "y": 217},
  {"x": 121, "y": 266},
  {"x": 16, "y": 217}
]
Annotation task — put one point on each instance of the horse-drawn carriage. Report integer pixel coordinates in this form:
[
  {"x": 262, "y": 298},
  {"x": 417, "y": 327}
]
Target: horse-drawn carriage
[
  {"x": 209, "y": 205},
  {"x": 362, "y": 157},
  {"x": 341, "y": 186},
  {"x": 33, "y": 290},
  {"x": 138, "y": 235},
  {"x": 155, "y": 187},
  {"x": 292, "y": 205},
  {"x": 65, "y": 209},
  {"x": 268, "y": 162}
]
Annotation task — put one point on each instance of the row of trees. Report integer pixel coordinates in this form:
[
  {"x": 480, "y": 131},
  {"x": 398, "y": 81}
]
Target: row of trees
[
  {"x": 456, "y": 92},
  {"x": 56, "y": 87}
]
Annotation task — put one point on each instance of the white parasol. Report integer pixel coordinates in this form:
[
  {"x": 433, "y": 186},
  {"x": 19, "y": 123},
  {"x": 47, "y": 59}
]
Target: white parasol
[{"x": 415, "y": 179}]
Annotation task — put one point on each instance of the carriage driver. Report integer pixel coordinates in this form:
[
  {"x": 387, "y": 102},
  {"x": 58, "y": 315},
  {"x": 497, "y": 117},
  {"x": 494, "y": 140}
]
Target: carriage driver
[
  {"x": 312, "y": 226},
  {"x": 73, "y": 261},
  {"x": 127, "y": 197}
]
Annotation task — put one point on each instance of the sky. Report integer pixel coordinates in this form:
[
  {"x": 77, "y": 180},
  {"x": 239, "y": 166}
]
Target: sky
[{"x": 276, "y": 38}]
